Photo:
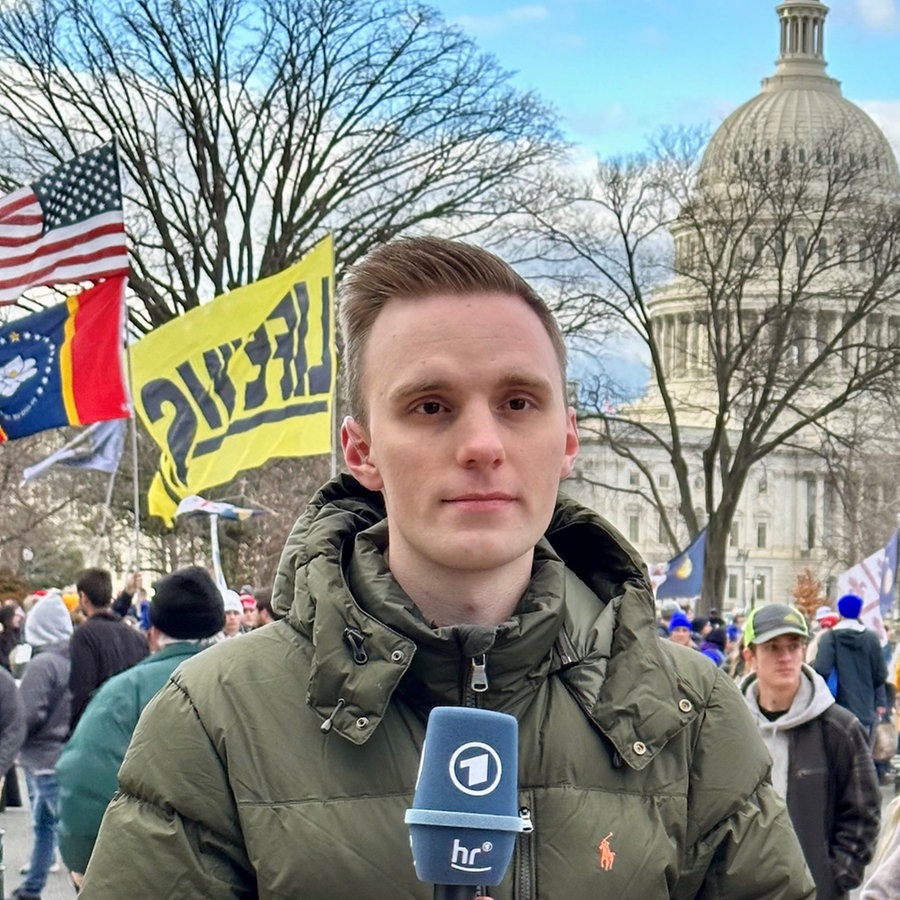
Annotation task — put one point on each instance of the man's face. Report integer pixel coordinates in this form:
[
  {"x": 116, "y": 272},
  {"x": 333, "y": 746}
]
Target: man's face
[
  {"x": 468, "y": 434},
  {"x": 233, "y": 620},
  {"x": 681, "y": 635},
  {"x": 778, "y": 662}
]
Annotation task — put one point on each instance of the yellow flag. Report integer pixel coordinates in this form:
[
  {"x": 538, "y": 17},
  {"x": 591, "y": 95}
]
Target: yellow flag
[{"x": 242, "y": 379}]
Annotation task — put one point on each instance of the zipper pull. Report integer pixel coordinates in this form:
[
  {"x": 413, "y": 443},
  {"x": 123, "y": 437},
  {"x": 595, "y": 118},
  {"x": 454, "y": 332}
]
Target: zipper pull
[
  {"x": 525, "y": 816},
  {"x": 479, "y": 682}
]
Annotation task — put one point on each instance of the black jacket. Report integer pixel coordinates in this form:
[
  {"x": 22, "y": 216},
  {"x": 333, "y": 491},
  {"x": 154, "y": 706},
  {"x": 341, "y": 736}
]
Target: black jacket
[
  {"x": 861, "y": 670},
  {"x": 101, "y": 647}
]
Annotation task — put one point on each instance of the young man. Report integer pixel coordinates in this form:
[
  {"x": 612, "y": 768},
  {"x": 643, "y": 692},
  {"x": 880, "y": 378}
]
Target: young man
[
  {"x": 820, "y": 754},
  {"x": 102, "y": 646},
  {"x": 855, "y": 652},
  {"x": 445, "y": 570},
  {"x": 45, "y": 698}
]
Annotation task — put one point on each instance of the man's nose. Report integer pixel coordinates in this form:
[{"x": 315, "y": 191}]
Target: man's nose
[{"x": 480, "y": 437}]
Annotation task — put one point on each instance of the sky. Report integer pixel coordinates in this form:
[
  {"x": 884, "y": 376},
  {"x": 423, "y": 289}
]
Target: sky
[{"x": 618, "y": 70}]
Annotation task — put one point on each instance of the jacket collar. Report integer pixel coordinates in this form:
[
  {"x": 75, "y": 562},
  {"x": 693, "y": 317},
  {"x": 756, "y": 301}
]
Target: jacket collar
[{"x": 595, "y": 626}]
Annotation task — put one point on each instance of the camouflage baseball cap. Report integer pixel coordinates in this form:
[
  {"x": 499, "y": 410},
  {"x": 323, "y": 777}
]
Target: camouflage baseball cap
[{"x": 767, "y": 622}]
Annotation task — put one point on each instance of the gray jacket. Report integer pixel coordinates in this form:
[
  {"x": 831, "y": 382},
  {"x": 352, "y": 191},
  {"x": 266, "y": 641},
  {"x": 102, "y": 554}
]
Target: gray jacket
[{"x": 45, "y": 694}]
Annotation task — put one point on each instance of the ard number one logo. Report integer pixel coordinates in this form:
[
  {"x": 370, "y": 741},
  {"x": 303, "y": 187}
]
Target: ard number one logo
[{"x": 475, "y": 769}]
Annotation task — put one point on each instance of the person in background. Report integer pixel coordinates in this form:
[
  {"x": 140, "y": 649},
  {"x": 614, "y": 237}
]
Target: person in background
[
  {"x": 700, "y": 628},
  {"x": 250, "y": 614},
  {"x": 45, "y": 696},
  {"x": 714, "y": 645},
  {"x": 132, "y": 599},
  {"x": 854, "y": 652},
  {"x": 826, "y": 618},
  {"x": 680, "y": 630},
  {"x": 264, "y": 607},
  {"x": 12, "y": 618},
  {"x": 12, "y": 728},
  {"x": 234, "y": 614},
  {"x": 667, "y": 609},
  {"x": 445, "y": 568},
  {"x": 103, "y": 645},
  {"x": 185, "y": 614},
  {"x": 820, "y": 755}
]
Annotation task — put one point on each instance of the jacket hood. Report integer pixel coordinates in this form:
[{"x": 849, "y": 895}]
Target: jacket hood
[
  {"x": 588, "y": 599},
  {"x": 810, "y": 701},
  {"x": 48, "y": 621}
]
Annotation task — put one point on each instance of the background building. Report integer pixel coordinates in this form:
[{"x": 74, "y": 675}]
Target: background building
[{"x": 827, "y": 497}]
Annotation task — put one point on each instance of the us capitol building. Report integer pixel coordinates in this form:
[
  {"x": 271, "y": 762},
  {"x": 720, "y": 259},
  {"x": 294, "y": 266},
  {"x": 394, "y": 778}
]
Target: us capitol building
[{"x": 790, "y": 514}]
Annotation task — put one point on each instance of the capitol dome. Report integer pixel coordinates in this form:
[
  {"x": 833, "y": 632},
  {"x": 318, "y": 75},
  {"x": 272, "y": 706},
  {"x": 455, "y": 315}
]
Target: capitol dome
[{"x": 800, "y": 115}]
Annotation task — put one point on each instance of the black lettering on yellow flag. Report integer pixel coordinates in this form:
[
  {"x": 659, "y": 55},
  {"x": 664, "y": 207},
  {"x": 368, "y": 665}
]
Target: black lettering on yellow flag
[{"x": 240, "y": 380}]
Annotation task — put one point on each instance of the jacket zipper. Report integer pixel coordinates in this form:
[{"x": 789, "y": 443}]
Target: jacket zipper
[
  {"x": 476, "y": 680},
  {"x": 524, "y": 874}
]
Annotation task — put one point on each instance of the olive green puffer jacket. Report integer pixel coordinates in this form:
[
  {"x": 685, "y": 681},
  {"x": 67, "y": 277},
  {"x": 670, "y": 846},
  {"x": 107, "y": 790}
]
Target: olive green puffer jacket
[{"x": 642, "y": 772}]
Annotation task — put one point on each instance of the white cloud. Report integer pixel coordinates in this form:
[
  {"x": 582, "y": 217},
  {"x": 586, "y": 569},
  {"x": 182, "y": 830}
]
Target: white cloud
[
  {"x": 879, "y": 13},
  {"x": 483, "y": 26}
]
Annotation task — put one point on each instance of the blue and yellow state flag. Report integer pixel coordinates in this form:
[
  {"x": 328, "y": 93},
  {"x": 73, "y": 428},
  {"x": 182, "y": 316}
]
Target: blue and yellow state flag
[
  {"x": 242, "y": 379},
  {"x": 683, "y": 576}
]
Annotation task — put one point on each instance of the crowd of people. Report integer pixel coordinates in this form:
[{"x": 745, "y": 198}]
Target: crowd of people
[
  {"x": 823, "y": 692},
  {"x": 78, "y": 668},
  {"x": 660, "y": 754}
]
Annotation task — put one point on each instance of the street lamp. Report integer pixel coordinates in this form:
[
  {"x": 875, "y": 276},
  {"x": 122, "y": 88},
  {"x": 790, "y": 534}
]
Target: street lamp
[{"x": 27, "y": 557}]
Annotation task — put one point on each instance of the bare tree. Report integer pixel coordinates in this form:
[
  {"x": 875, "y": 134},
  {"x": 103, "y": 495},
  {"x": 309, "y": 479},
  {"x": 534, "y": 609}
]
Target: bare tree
[
  {"x": 249, "y": 128},
  {"x": 763, "y": 290}
]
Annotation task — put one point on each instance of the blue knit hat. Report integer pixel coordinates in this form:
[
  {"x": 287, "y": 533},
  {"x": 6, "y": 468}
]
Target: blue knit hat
[
  {"x": 679, "y": 620},
  {"x": 850, "y": 606}
]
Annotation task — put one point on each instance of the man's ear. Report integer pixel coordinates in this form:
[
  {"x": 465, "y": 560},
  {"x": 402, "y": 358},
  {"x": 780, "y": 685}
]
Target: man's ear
[{"x": 357, "y": 449}]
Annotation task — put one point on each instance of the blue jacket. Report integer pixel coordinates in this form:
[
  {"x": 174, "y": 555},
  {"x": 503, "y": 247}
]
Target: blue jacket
[{"x": 87, "y": 768}]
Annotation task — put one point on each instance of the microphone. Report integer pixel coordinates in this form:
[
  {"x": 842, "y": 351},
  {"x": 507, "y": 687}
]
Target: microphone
[{"x": 464, "y": 818}]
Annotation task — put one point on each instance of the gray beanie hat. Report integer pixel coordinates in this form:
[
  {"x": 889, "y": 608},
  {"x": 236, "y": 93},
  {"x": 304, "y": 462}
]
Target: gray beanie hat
[
  {"x": 48, "y": 621},
  {"x": 187, "y": 605}
]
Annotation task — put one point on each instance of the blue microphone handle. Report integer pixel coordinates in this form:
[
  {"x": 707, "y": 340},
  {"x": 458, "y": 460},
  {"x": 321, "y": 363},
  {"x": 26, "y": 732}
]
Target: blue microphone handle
[{"x": 457, "y": 891}]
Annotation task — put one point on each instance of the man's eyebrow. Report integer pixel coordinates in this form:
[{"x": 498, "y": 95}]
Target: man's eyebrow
[{"x": 509, "y": 381}]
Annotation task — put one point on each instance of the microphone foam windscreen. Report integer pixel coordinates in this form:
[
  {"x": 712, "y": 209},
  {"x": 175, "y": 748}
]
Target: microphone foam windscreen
[{"x": 464, "y": 819}]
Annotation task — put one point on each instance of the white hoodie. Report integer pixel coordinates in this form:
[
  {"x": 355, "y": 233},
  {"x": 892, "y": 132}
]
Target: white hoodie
[{"x": 810, "y": 701}]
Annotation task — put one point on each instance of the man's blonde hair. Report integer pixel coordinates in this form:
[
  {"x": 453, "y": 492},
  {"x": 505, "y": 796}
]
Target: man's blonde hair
[{"x": 419, "y": 267}]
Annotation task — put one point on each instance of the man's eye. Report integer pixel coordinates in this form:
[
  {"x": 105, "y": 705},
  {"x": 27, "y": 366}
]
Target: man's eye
[
  {"x": 518, "y": 403},
  {"x": 430, "y": 407}
]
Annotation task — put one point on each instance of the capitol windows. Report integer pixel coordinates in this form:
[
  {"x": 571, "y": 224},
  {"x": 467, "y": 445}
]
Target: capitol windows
[
  {"x": 663, "y": 480},
  {"x": 634, "y": 479},
  {"x": 801, "y": 251},
  {"x": 634, "y": 527},
  {"x": 842, "y": 252},
  {"x": 779, "y": 250},
  {"x": 762, "y": 535},
  {"x": 823, "y": 251},
  {"x": 801, "y": 155},
  {"x": 785, "y": 154}
]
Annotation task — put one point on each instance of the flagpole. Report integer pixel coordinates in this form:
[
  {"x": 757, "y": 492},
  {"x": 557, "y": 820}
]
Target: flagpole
[
  {"x": 107, "y": 503},
  {"x": 135, "y": 480},
  {"x": 214, "y": 547}
]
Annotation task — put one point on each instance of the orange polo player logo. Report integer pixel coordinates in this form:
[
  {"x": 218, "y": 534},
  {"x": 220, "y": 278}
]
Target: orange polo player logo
[{"x": 607, "y": 854}]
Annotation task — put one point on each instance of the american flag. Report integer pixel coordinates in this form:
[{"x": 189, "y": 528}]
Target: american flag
[{"x": 64, "y": 228}]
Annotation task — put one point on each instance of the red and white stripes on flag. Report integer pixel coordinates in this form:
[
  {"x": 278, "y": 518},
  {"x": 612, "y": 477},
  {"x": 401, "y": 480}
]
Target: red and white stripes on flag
[{"x": 64, "y": 228}]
